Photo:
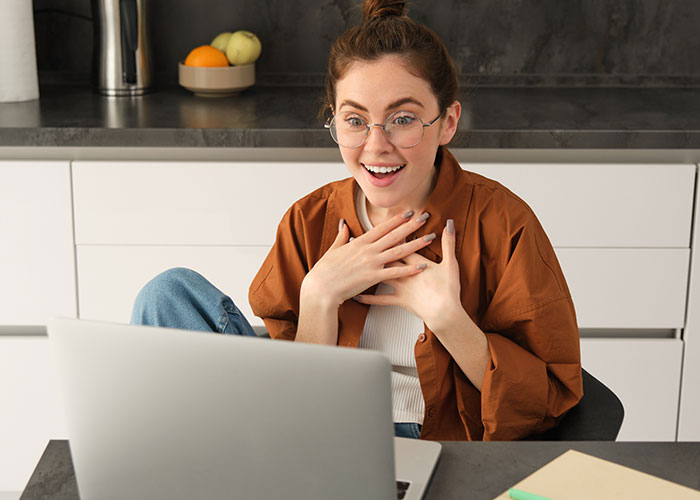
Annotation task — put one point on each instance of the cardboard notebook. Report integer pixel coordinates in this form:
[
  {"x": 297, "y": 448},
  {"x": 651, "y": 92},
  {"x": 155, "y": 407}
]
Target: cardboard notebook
[{"x": 578, "y": 476}]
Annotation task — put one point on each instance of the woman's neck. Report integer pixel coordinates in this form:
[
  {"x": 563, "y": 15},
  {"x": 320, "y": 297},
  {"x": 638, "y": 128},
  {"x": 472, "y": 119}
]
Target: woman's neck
[{"x": 377, "y": 215}]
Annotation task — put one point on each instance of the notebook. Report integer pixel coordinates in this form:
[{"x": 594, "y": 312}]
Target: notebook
[
  {"x": 578, "y": 476},
  {"x": 155, "y": 413}
]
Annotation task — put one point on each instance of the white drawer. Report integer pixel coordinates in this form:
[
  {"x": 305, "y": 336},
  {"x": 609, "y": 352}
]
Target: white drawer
[
  {"x": 598, "y": 205},
  {"x": 627, "y": 287},
  {"x": 171, "y": 203},
  {"x": 645, "y": 375},
  {"x": 37, "y": 279},
  {"x": 110, "y": 277}
]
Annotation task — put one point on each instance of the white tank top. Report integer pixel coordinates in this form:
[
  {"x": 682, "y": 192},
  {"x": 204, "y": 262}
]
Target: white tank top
[{"x": 393, "y": 330}]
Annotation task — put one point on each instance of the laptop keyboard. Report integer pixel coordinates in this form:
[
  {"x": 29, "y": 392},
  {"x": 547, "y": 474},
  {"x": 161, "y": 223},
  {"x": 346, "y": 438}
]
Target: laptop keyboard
[{"x": 401, "y": 488}]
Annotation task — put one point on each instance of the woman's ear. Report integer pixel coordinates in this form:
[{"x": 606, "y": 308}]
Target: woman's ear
[{"x": 450, "y": 122}]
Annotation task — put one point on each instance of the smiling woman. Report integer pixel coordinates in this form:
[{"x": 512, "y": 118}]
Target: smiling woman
[
  {"x": 446, "y": 272},
  {"x": 398, "y": 137}
]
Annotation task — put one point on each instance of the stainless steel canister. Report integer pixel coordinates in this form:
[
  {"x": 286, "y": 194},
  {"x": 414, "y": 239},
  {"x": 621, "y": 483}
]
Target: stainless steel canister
[{"x": 121, "y": 54}]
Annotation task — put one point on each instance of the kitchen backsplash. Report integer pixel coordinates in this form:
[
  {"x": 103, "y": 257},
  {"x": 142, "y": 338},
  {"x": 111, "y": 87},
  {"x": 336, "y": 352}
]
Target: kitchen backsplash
[{"x": 494, "y": 42}]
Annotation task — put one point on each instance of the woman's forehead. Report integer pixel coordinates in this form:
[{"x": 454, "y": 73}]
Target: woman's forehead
[{"x": 375, "y": 85}]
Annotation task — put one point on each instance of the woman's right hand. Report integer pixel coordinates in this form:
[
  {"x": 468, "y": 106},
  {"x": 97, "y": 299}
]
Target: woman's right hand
[{"x": 350, "y": 267}]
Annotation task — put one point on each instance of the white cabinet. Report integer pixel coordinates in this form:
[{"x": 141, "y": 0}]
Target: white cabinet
[
  {"x": 645, "y": 375},
  {"x": 640, "y": 288},
  {"x": 110, "y": 276},
  {"x": 32, "y": 411},
  {"x": 37, "y": 281},
  {"x": 189, "y": 203},
  {"x": 689, "y": 412},
  {"x": 583, "y": 205},
  {"x": 37, "y": 270},
  {"x": 134, "y": 220}
]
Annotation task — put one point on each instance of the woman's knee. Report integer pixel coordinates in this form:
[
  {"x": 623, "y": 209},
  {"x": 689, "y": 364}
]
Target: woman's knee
[{"x": 164, "y": 292}]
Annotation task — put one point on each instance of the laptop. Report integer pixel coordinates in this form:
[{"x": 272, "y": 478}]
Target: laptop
[{"x": 155, "y": 413}]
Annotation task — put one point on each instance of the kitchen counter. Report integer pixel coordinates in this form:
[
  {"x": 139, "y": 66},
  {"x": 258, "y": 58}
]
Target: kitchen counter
[{"x": 286, "y": 117}]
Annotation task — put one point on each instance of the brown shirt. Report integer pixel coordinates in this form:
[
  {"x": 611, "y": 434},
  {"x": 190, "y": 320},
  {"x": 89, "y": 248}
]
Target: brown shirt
[{"x": 511, "y": 284}]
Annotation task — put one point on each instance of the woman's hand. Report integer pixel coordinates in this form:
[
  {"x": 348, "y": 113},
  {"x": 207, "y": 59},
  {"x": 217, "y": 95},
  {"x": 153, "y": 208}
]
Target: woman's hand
[
  {"x": 350, "y": 267},
  {"x": 434, "y": 294}
]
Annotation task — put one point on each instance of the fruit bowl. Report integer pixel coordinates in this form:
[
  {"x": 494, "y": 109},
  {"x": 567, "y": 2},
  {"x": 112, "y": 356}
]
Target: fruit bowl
[{"x": 216, "y": 81}]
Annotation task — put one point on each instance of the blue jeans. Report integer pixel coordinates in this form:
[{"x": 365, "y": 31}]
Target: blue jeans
[{"x": 184, "y": 299}]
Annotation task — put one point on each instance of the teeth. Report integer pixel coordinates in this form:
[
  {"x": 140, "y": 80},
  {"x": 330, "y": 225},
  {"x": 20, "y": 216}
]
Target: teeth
[{"x": 382, "y": 170}]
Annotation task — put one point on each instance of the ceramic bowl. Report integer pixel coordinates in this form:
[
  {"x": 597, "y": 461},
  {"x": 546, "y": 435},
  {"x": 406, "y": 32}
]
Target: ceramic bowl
[{"x": 216, "y": 82}]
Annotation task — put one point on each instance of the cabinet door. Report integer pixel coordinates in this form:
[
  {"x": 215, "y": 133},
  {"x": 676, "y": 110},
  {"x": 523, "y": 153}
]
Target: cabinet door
[
  {"x": 111, "y": 276},
  {"x": 645, "y": 375},
  {"x": 32, "y": 408},
  {"x": 37, "y": 263},
  {"x": 188, "y": 203},
  {"x": 604, "y": 205},
  {"x": 638, "y": 288},
  {"x": 689, "y": 418}
]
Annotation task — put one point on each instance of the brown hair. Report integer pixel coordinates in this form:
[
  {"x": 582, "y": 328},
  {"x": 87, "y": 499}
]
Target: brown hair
[{"x": 386, "y": 30}]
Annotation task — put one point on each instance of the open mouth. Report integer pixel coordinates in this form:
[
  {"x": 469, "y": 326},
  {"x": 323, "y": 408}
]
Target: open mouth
[{"x": 382, "y": 172}]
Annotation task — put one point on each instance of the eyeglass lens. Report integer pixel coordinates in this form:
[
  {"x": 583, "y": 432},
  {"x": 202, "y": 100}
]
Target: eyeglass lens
[{"x": 403, "y": 129}]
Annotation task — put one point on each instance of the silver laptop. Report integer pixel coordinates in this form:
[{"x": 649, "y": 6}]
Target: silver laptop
[{"x": 157, "y": 413}]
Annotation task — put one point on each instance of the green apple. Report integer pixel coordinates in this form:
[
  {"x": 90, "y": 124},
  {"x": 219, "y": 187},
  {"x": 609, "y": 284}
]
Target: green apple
[
  {"x": 243, "y": 48},
  {"x": 221, "y": 40}
]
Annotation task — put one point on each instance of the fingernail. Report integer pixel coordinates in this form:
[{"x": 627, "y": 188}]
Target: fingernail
[
  {"x": 424, "y": 216},
  {"x": 357, "y": 298},
  {"x": 408, "y": 214},
  {"x": 421, "y": 266},
  {"x": 351, "y": 238},
  {"x": 341, "y": 223},
  {"x": 429, "y": 237},
  {"x": 450, "y": 226}
]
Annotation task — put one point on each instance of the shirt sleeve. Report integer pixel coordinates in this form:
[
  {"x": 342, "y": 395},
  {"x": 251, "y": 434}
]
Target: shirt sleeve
[
  {"x": 274, "y": 292},
  {"x": 534, "y": 376}
]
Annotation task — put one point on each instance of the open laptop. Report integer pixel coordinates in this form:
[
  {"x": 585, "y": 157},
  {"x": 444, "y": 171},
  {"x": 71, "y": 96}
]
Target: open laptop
[{"x": 155, "y": 413}]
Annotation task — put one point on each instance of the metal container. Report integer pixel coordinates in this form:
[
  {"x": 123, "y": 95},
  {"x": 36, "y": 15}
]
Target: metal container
[{"x": 121, "y": 54}]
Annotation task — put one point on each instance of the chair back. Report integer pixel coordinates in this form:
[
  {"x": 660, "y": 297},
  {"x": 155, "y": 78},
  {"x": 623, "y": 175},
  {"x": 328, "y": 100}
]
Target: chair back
[{"x": 597, "y": 417}]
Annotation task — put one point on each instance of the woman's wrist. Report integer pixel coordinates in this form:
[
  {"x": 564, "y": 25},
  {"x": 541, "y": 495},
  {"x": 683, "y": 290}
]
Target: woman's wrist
[
  {"x": 318, "y": 317},
  {"x": 317, "y": 295}
]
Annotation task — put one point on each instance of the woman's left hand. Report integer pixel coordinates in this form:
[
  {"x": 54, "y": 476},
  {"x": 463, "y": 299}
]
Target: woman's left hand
[{"x": 431, "y": 295}]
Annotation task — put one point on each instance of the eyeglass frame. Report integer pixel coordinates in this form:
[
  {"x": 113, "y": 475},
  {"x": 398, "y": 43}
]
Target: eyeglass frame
[{"x": 368, "y": 127}]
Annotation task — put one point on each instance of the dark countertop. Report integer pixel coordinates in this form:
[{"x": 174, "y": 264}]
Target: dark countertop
[
  {"x": 286, "y": 117},
  {"x": 474, "y": 470}
]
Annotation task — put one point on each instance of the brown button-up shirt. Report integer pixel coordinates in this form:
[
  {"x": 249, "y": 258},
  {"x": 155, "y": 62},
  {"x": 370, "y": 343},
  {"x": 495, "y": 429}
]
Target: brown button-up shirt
[{"x": 511, "y": 284}]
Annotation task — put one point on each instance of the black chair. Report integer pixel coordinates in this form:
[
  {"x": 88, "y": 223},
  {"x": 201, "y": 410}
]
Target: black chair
[{"x": 597, "y": 417}]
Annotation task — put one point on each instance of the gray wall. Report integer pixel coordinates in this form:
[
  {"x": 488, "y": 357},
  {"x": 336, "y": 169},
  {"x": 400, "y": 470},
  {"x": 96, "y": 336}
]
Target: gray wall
[{"x": 589, "y": 42}]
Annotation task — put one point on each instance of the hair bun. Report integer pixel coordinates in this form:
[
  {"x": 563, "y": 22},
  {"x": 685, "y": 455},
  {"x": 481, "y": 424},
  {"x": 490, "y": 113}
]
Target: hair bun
[{"x": 375, "y": 9}]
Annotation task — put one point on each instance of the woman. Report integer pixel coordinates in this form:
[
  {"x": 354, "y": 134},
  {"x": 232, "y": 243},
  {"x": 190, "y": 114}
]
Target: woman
[{"x": 447, "y": 272}]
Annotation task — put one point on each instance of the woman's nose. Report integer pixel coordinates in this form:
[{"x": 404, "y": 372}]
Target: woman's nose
[{"x": 377, "y": 140}]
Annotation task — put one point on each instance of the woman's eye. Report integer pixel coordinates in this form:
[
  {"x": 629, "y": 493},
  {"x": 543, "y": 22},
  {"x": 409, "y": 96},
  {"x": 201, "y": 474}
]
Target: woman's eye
[
  {"x": 404, "y": 120},
  {"x": 354, "y": 122}
]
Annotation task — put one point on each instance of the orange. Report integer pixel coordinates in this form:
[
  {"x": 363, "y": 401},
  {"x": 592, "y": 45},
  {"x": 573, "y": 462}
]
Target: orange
[{"x": 206, "y": 55}]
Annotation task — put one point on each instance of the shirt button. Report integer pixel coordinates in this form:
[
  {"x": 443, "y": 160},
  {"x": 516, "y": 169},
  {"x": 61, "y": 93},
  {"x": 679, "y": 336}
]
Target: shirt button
[
  {"x": 431, "y": 412},
  {"x": 421, "y": 337}
]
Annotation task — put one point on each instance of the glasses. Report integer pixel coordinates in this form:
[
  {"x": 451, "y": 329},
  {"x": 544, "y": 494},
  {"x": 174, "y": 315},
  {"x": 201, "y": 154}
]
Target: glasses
[{"x": 403, "y": 129}]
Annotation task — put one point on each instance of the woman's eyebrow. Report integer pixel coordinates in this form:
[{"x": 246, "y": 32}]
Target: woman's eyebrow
[
  {"x": 395, "y": 104},
  {"x": 402, "y": 101},
  {"x": 354, "y": 104}
]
